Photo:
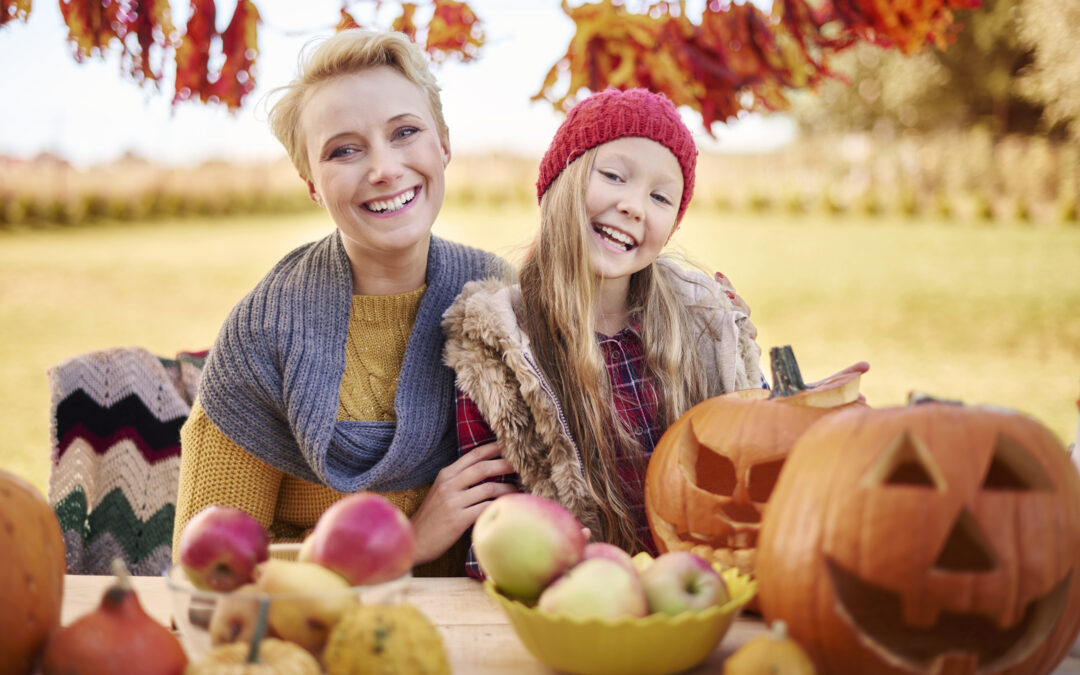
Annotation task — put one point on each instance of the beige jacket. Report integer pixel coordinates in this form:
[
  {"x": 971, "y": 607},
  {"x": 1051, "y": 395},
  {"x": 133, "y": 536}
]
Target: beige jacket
[{"x": 496, "y": 368}]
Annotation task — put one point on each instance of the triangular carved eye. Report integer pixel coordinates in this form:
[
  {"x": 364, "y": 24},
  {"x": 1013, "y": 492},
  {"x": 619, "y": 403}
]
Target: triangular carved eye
[
  {"x": 762, "y": 479},
  {"x": 1014, "y": 468},
  {"x": 906, "y": 462},
  {"x": 714, "y": 473}
]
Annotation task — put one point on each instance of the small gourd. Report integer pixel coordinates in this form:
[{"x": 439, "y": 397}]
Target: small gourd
[
  {"x": 771, "y": 654},
  {"x": 117, "y": 638},
  {"x": 385, "y": 639},
  {"x": 275, "y": 657}
]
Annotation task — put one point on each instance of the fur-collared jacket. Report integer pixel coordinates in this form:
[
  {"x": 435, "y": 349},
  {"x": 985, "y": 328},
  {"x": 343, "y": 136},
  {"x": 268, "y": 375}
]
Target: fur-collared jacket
[{"x": 496, "y": 368}]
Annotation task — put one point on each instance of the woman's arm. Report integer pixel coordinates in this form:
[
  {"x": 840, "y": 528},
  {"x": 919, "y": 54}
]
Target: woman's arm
[{"x": 214, "y": 470}]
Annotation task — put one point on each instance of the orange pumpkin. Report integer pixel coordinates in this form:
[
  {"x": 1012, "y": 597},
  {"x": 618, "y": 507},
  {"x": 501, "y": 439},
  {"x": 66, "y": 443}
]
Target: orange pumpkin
[
  {"x": 32, "y": 581},
  {"x": 713, "y": 470},
  {"x": 932, "y": 538}
]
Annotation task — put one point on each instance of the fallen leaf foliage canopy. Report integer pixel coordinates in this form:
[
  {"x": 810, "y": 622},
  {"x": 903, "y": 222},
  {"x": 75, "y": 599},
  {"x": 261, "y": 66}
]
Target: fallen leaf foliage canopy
[{"x": 734, "y": 57}]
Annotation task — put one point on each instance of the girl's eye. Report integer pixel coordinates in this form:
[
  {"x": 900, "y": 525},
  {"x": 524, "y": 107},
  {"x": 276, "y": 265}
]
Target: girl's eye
[
  {"x": 661, "y": 198},
  {"x": 610, "y": 175}
]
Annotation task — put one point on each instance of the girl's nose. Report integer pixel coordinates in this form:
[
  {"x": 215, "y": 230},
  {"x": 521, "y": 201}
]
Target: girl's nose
[{"x": 630, "y": 206}]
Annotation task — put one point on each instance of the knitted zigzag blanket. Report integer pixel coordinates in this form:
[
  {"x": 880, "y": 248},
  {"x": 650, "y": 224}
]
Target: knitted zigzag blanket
[
  {"x": 273, "y": 377},
  {"x": 116, "y": 418}
]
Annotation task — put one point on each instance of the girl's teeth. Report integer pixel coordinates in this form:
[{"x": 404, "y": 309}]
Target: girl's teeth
[
  {"x": 387, "y": 205},
  {"x": 624, "y": 239}
]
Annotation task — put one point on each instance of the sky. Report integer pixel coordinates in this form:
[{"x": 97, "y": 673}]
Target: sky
[{"x": 89, "y": 113}]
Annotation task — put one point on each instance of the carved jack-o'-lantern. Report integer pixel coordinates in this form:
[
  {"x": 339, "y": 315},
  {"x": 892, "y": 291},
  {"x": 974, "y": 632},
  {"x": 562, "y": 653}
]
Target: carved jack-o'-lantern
[
  {"x": 713, "y": 470},
  {"x": 932, "y": 538}
]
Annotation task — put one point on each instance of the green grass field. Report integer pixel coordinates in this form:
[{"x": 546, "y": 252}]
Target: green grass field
[{"x": 987, "y": 314}]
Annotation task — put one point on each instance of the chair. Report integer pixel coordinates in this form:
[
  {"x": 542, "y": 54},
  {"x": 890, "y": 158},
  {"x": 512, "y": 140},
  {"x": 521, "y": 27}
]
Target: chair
[{"x": 116, "y": 417}]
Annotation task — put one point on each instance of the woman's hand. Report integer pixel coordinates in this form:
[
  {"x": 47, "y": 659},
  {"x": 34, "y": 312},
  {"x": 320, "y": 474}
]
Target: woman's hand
[
  {"x": 736, "y": 299},
  {"x": 456, "y": 499}
]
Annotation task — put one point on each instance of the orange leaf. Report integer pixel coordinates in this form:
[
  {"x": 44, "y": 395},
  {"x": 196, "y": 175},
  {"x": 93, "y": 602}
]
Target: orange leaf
[
  {"x": 454, "y": 31},
  {"x": 11, "y": 10}
]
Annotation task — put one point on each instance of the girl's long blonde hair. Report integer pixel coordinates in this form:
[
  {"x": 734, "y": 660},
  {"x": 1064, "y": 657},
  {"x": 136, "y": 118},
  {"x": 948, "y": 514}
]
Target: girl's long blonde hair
[{"x": 560, "y": 293}]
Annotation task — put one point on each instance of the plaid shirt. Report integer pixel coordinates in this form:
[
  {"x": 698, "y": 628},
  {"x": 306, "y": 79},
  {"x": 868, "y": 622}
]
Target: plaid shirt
[{"x": 636, "y": 405}]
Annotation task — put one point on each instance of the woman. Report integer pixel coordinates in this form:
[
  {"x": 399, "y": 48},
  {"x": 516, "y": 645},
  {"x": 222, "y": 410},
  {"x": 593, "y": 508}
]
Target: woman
[{"x": 327, "y": 379}]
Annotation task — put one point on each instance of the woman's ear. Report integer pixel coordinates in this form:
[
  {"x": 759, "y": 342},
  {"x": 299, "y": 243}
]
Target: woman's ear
[
  {"x": 445, "y": 153},
  {"x": 313, "y": 193}
]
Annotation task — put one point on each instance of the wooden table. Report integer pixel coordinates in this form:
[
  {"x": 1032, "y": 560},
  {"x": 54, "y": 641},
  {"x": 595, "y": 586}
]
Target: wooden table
[{"x": 476, "y": 633}]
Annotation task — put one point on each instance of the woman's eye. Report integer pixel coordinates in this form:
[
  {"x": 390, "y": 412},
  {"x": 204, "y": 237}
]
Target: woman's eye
[
  {"x": 343, "y": 151},
  {"x": 405, "y": 132}
]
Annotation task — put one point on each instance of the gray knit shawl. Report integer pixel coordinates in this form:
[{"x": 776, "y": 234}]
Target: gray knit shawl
[{"x": 272, "y": 379}]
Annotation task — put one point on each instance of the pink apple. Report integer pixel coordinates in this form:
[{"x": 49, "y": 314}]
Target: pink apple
[
  {"x": 599, "y": 549},
  {"x": 523, "y": 542},
  {"x": 364, "y": 538},
  {"x": 597, "y": 588},
  {"x": 680, "y": 581},
  {"x": 220, "y": 547}
]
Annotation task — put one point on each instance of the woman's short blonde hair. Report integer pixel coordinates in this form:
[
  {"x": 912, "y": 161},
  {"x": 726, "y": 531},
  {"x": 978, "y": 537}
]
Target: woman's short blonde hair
[{"x": 350, "y": 51}]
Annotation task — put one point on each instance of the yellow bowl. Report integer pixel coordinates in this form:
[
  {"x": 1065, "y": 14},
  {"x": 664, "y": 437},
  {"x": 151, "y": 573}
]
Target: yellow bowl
[{"x": 654, "y": 645}]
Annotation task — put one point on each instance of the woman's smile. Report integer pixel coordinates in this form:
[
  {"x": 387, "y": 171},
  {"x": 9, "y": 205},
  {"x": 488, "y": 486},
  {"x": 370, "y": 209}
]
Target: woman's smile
[{"x": 392, "y": 205}]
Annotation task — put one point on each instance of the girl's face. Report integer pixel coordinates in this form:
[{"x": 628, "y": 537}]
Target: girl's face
[
  {"x": 377, "y": 164},
  {"x": 631, "y": 200}
]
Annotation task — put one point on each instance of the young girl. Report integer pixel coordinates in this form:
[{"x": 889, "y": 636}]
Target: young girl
[{"x": 577, "y": 370}]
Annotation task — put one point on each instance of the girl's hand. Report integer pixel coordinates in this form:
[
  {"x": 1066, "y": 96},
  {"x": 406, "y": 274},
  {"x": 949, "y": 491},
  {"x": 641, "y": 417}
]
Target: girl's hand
[
  {"x": 456, "y": 499},
  {"x": 739, "y": 303}
]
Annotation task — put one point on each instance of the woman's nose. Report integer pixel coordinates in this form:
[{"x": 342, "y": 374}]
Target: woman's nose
[{"x": 384, "y": 165}]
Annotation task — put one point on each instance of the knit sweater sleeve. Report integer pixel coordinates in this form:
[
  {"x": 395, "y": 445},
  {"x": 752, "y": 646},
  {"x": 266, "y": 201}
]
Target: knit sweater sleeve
[{"x": 209, "y": 466}]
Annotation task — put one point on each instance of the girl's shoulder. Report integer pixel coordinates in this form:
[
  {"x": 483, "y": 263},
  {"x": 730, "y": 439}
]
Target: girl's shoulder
[
  {"x": 491, "y": 304},
  {"x": 695, "y": 286}
]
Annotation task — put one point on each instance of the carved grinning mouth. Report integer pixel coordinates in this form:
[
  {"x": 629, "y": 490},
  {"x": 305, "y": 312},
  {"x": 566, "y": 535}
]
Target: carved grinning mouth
[{"x": 876, "y": 616}]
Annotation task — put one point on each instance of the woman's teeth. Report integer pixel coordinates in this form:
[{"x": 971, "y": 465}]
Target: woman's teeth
[
  {"x": 625, "y": 240},
  {"x": 388, "y": 205}
]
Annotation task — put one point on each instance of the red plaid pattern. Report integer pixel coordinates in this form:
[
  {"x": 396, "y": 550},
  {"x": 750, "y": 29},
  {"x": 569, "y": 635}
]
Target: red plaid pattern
[{"x": 636, "y": 404}]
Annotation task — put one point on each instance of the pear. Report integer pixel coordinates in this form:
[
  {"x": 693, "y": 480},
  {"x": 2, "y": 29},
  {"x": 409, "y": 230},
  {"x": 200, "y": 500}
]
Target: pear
[{"x": 307, "y": 600}]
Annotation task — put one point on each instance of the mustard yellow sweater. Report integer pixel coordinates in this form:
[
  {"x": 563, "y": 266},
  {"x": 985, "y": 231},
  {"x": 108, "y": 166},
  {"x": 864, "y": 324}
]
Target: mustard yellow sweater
[{"x": 214, "y": 470}]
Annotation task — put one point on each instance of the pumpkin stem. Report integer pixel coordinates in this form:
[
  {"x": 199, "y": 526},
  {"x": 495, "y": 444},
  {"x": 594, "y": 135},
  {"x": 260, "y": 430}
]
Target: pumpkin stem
[
  {"x": 787, "y": 378},
  {"x": 779, "y": 630},
  {"x": 120, "y": 571},
  {"x": 919, "y": 398},
  {"x": 260, "y": 629}
]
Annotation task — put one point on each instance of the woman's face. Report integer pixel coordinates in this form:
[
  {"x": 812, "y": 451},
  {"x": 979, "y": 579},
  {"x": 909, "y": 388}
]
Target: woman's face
[
  {"x": 377, "y": 164},
  {"x": 631, "y": 200}
]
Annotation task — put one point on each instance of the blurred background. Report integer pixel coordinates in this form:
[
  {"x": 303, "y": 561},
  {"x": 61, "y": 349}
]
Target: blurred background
[{"x": 918, "y": 211}]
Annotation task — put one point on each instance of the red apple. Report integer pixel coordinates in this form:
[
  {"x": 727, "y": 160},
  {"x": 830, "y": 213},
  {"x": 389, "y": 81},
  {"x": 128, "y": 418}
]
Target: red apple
[
  {"x": 680, "y": 581},
  {"x": 599, "y": 549},
  {"x": 220, "y": 547},
  {"x": 364, "y": 538},
  {"x": 597, "y": 588},
  {"x": 523, "y": 542}
]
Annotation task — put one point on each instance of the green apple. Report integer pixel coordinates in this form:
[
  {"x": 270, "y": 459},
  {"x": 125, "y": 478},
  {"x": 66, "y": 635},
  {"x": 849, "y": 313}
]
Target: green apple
[{"x": 597, "y": 588}]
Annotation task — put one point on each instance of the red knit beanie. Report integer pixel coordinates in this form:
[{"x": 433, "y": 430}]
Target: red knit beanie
[{"x": 613, "y": 114}]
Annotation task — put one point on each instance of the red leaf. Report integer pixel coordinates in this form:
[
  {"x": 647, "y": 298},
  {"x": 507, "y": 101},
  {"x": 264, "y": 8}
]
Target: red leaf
[
  {"x": 193, "y": 54},
  {"x": 240, "y": 45}
]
